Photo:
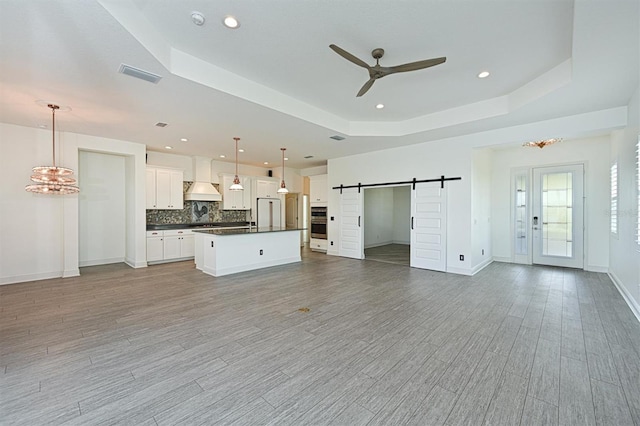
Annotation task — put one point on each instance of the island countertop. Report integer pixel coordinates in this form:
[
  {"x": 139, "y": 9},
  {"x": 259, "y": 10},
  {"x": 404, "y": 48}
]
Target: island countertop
[{"x": 247, "y": 230}]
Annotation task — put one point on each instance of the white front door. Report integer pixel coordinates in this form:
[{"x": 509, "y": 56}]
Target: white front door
[
  {"x": 558, "y": 216},
  {"x": 351, "y": 235},
  {"x": 429, "y": 227}
]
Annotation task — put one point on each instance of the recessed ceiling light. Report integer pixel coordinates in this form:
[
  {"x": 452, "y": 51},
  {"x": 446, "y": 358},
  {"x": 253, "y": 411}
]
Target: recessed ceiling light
[
  {"x": 168, "y": 147},
  {"x": 222, "y": 156},
  {"x": 160, "y": 124},
  {"x": 266, "y": 162},
  {"x": 184, "y": 139},
  {"x": 241, "y": 150},
  {"x": 43, "y": 126},
  {"x": 337, "y": 137},
  {"x": 483, "y": 74},
  {"x": 197, "y": 18},
  {"x": 286, "y": 158},
  {"x": 380, "y": 106},
  {"x": 230, "y": 22},
  {"x": 308, "y": 156}
]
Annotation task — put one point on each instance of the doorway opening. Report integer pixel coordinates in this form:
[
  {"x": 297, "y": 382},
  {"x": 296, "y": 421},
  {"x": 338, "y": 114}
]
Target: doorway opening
[{"x": 387, "y": 232}]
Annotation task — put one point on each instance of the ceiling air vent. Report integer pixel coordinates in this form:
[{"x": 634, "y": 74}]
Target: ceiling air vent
[
  {"x": 160, "y": 124},
  {"x": 138, "y": 73},
  {"x": 337, "y": 137}
]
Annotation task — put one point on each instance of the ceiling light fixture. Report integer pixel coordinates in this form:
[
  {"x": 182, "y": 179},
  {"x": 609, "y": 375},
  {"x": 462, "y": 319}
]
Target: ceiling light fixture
[
  {"x": 236, "y": 186},
  {"x": 241, "y": 150},
  {"x": 380, "y": 106},
  {"x": 168, "y": 147},
  {"x": 231, "y": 22},
  {"x": 53, "y": 179},
  {"x": 266, "y": 162},
  {"x": 222, "y": 156},
  {"x": 184, "y": 139},
  {"x": 483, "y": 74},
  {"x": 541, "y": 144},
  {"x": 283, "y": 188}
]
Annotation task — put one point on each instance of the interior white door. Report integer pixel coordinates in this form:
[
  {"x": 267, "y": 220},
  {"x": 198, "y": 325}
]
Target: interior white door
[
  {"x": 429, "y": 226},
  {"x": 351, "y": 242},
  {"x": 558, "y": 216}
]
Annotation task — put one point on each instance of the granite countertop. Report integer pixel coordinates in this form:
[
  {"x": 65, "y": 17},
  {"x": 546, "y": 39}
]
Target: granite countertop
[
  {"x": 166, "y": 226},
  {"x": 242, "y": 231}
]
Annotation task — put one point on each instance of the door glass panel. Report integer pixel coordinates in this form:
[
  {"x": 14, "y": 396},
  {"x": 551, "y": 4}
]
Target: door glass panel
[
  {"x": 521, "y": 221},
  {"x": 557, "y": 226}
]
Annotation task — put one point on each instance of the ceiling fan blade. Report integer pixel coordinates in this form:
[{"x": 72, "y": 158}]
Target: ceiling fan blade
[
  {"x": 348, "y": 56},
  {"x": 413, "y": 66},
  {"x": 366, "y": 87}
]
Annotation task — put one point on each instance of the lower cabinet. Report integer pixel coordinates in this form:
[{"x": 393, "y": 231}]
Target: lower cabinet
[
  {"x": 317, "y": 244},
  {"x": 164, "y": 246}
]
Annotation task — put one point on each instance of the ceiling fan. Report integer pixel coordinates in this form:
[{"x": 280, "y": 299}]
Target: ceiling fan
[{"x": 376, "y": 71}]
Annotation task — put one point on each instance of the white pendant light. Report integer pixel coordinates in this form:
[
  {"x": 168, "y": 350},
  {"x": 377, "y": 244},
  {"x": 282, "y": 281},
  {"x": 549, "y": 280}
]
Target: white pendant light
[
  {"x": 53, "y": 179},
  {"x": 236, "y": 186},
  {"x": 283, "y": 188}
]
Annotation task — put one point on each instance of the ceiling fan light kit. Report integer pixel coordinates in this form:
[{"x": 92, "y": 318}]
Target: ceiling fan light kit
[{"x": 377, "y": 71}]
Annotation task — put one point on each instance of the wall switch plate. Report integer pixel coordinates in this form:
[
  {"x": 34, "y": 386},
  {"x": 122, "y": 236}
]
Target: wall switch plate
[
  {"x": 483, "y": 252},
  {"x": 331, "y": 217},
  {"x": 462, "y": 257}
]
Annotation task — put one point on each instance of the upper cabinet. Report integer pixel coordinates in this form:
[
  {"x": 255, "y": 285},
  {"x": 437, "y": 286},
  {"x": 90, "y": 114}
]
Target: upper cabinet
[
  {"x": 318, "y": 188},
  {"x": 266, "y": 188},
  {"x": 235, "y": 200},
  {"x": 164, "y": 189}
]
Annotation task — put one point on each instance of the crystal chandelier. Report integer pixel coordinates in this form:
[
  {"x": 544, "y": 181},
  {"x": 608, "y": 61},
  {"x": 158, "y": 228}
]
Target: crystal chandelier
[
  {"x": 283, "y": 188},
  {"x": 53, "y": 179},
  {"x": 236, "y": 186},
  {"x": 542, "y": 143}
]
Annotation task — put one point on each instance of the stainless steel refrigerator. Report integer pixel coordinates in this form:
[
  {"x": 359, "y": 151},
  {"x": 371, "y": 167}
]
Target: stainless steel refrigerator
[{"x": 268, "y": 213}]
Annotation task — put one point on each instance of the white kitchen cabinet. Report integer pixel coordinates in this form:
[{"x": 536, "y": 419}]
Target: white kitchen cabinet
[
  {"x": 170, "y": 245},
  {"x": 318, "y": 189},
  {"x": 316, "y": 244},
  {"x": 236, "y": 200},
  {"x": 164, "y": 189},
  {"x": 150, "y": 179},
  {"x": 155, "y": 246},
  {"x": 266, "y": 188}
]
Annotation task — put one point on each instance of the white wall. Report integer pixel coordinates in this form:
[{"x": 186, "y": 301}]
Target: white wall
[
  {"x": 594, "y": 153},
  {"x": 378, "y": 217},
  {"x": 402, "y": 214},
  {"x": 624, "y": 258},
  {"x": 481, "y": 209},
  {"x": 39, "y": 234},
  {"x": 31, "y": 230},
  {"x": 102, "y": 204}
]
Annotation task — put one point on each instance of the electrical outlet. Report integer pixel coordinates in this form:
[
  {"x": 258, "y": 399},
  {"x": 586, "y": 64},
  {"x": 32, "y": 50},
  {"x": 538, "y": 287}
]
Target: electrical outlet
[
  {"x": 331, "y": 217},
  {"x": 462, "y": 257},
  {"x": 261, "y": 252},
  {"x": 331, "y": 242},
  {"x": 483, "y": 252}
]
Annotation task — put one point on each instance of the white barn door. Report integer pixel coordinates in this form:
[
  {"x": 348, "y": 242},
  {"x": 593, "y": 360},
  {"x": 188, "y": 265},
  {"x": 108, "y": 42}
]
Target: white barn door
[
  {"x": 429, "y": 227},
  {"x": 351, "y": 235}
]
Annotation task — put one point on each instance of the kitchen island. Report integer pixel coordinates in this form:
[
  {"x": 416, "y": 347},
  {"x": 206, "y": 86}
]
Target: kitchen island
[{"x": 221, "y": 252}]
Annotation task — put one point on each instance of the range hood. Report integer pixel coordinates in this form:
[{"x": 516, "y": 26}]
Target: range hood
[{"x": 201, "y": 189}]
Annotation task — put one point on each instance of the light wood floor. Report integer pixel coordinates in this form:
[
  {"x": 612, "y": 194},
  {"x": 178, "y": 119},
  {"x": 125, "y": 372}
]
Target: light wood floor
[
  {"x": 381, "y": 344},
  {"x": 399, "y": 254}
]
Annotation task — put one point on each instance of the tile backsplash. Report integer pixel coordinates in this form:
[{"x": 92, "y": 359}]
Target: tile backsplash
[{"x": 197, "y": 211}]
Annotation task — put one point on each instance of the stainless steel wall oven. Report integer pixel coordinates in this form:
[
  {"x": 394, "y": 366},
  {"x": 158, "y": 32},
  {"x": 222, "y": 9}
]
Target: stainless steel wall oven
[{"x": 319, "y": 222}]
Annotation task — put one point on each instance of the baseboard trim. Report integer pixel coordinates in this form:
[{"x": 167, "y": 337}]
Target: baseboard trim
[
  {"x": 601, "y": 269},
  {"x": 481, "y": 266},
  {"x": 30, "y": 277},
  {"x": 459, "y": 271},
  {"x": 502, "y": 259},
  {"x": 385, "y": 243},
  {"x": 132, "y": 263},
  {"x": 635, "y": 308},
  {"x": 96, "y": 262}
]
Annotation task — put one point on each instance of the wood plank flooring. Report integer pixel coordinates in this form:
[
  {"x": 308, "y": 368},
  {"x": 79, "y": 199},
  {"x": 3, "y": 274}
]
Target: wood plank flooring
[
  {"x": 391, "y": 253},
  {"x": 381, "y": 344}
]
